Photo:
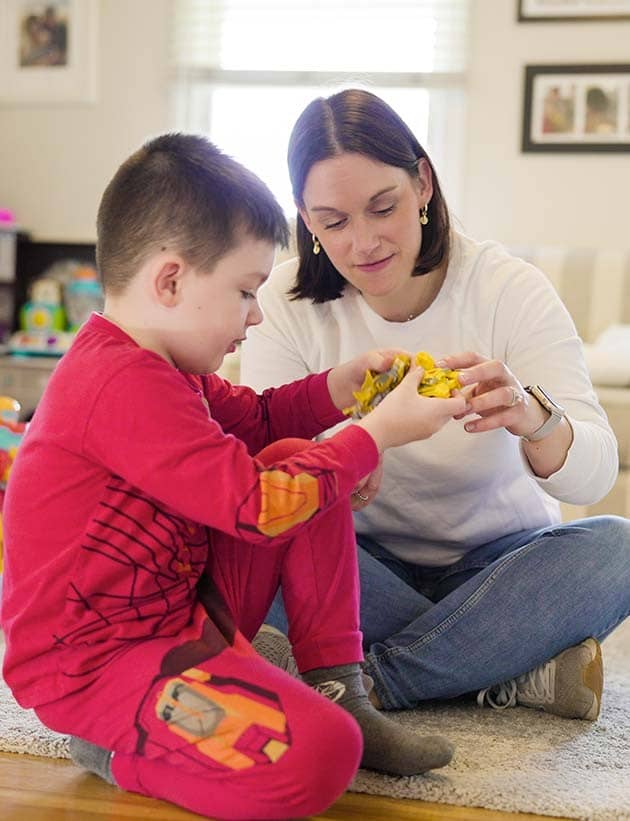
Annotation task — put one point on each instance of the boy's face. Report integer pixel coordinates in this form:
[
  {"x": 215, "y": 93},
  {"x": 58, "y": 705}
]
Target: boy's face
[{"x": 216, "y": 308}]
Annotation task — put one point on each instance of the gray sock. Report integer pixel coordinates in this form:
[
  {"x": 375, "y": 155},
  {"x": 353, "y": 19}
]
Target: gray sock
[
  {"x": 387, "y": 746},
  {"x": 93, "y": 758},
  {"x": 274, "y": 646}
]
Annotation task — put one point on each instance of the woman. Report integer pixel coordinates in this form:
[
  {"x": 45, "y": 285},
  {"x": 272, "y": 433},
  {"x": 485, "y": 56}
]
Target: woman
[{"x": 470, "y": 583}]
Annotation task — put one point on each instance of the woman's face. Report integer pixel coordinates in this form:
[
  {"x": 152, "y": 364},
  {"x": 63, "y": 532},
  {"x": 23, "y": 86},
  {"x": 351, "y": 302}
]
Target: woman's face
[{"x": 366, "y": 216}]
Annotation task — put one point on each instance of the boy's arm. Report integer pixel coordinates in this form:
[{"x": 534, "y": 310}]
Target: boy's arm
[
  {"x": 149, "y": 427},
  {"x": 302, "y": 409}
]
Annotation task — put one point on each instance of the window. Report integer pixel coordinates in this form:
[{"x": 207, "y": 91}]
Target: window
[{"x": 245, "y": 69}]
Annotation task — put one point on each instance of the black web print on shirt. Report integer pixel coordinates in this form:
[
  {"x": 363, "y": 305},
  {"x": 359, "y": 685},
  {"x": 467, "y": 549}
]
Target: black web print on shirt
[{"x": 136, "y": 573}]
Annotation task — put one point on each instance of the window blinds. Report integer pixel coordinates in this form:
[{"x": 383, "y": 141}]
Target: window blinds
[{"x": 357, "y": 37}]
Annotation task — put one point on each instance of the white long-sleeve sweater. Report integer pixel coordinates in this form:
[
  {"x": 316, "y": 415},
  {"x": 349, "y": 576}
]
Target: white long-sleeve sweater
[{"x": 446, "y": 495}]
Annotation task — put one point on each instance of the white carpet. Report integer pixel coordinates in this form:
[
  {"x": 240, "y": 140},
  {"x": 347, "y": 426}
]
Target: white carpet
[{"x": 517, "y": 760}]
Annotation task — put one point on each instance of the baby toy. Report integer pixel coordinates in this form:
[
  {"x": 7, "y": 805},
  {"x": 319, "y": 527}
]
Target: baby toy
[
  {"x": 42, "y": 321},
  {"x": 436, "y": 382},
  {"x": 82, "y": 295},
  {"x": 44, "y": 311},
  {"x": 11, "y": 434}
]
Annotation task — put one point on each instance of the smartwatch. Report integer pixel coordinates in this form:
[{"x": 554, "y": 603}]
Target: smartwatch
[{"x": 557, "y": 413}]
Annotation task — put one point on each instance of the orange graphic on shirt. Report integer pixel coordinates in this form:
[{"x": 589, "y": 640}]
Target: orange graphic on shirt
[{"x": 286, "y": 500}]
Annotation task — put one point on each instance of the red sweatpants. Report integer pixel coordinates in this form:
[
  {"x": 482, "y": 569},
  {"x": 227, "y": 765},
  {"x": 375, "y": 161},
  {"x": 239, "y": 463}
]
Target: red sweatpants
[{"x": 199, "y": 719}]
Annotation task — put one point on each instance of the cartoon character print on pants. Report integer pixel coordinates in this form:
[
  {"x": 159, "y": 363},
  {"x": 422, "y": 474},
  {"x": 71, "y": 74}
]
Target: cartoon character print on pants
[{"x": 211, "y": 720}]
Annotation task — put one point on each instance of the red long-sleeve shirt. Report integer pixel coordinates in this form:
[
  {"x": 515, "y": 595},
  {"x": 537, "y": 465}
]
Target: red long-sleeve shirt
[{"x": 127, "y": 467}]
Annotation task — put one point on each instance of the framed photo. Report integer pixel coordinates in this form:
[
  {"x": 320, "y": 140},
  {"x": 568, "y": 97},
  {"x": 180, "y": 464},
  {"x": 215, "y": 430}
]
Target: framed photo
[
  {"x": 539, "y": 11},
  {"x": 48, "y": 51},
  {"x": 576, "y": 108}
]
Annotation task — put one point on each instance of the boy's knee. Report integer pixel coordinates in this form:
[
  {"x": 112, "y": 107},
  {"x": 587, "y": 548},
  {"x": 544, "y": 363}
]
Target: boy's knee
[
  {"x": 324, "y": 760},
  {"x": 283, "y": 449}
]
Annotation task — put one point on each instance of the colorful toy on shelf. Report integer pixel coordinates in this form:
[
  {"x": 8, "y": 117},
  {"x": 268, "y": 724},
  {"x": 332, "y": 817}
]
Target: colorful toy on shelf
[
  {"x": 436, "y": 382},
  {"x": 82, "y": 295},
  {"x": 11, "y": 435},
  {"x": 38, "y": 343},
  {"x": 7, "y": 218},
  {"x": 60, "y": 302},
  {"x": 42, "y": 322},
  {"x": 44, "y": 311}
]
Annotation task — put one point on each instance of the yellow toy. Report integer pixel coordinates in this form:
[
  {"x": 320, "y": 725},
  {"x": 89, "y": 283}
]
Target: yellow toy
[
  {"x": 437, "y": 382},
  {"x": 11, "y": 433}
]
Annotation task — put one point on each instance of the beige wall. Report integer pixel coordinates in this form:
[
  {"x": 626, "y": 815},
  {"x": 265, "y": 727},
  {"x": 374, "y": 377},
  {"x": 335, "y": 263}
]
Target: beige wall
[
  {"x": 574, "y": 199},
  {"x": 56, "y": 160}
]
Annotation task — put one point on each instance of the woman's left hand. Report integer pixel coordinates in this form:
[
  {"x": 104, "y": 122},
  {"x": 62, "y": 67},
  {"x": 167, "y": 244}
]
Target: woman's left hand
[
  {"x": 495, "y": 395},
  {"x": 368, "y": 487},
  {"x": 348, "y": 377}
]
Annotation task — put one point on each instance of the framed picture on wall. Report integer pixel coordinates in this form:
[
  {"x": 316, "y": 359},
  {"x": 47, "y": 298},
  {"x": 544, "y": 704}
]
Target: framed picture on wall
[
  {"x": 48, "y": 51},
  {"x": 576, "y": 108},
  {"x": 540, "y": 11}
]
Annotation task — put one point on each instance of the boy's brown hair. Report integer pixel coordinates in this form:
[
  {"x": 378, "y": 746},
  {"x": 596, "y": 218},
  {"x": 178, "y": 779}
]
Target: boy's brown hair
[{"x": 180, "y": 192}]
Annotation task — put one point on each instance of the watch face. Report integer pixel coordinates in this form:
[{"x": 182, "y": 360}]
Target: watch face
[{"x": 545, "y": 400}]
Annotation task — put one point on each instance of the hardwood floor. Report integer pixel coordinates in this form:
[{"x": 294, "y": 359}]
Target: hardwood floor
[{"x": 44, "y": 789}]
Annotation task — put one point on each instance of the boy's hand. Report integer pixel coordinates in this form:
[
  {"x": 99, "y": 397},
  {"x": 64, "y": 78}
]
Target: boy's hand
[
  {"x": 405, "y": 416},
  {"x": 348, "y": 377}
]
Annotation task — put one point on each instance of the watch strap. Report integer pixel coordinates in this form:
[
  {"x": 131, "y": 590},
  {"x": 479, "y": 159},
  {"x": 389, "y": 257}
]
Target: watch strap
[{"x": 556, "y": 414}]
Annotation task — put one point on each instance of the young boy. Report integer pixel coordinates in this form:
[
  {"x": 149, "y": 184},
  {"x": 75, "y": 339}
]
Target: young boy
[{"x": 145, "y": 540}]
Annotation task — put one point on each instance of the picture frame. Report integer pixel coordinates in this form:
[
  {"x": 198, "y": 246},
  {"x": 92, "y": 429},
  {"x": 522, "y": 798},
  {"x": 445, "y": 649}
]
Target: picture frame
[
  {"x": 48, "y": 51},
  {"x": 556, "y": 11},
  {"x": 576, "y": 108}
]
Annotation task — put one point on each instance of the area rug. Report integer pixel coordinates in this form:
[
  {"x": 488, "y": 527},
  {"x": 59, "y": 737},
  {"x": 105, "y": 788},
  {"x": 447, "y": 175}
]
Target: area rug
[{"x": 516, "y": 760}]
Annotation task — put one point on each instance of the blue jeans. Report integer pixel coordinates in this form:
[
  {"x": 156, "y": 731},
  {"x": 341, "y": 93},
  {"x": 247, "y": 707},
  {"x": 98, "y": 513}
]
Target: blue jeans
[{"x": 505, "y": 607}]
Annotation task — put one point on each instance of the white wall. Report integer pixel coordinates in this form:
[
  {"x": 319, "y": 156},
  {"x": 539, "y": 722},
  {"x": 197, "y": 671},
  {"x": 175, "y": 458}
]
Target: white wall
[
  {"x": 574, "y": 199},
  {"x": 56, "y": 160}
]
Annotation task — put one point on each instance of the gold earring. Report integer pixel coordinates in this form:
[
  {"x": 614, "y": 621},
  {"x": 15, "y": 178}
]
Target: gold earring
[
  {"x": 424, "y": 215},
  {"x": 316, "y": 246}
]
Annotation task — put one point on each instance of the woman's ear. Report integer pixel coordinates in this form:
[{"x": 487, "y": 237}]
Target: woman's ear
[
  {"x": 424, "y": 183},
  {"x": 305, "y": 219},
  {"x": 167, "y": 283}
]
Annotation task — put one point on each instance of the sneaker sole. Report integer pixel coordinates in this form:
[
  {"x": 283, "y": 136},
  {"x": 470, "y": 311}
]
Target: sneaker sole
[{"x": 593, "y": 677}]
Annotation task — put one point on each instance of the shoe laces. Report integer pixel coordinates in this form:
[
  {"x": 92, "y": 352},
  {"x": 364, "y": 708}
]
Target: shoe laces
[{"x": 534, "y": 687}]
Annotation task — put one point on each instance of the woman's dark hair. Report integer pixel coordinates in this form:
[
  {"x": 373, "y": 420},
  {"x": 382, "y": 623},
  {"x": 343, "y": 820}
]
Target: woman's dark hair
[{"x": 357, "y": 121}]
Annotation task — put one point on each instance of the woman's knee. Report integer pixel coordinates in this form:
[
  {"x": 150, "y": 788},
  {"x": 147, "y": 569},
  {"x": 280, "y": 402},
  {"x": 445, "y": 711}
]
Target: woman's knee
[{"x": 610, "y": 537}]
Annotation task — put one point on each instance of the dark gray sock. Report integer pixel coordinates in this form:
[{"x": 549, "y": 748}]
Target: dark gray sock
[
  {"x": 93, "y": 758},
  {"x": 388, "y": 747}
]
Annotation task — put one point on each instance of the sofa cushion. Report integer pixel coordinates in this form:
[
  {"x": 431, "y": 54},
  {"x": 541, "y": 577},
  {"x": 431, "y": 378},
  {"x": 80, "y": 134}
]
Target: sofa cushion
[{"x": 594, "y": 285}]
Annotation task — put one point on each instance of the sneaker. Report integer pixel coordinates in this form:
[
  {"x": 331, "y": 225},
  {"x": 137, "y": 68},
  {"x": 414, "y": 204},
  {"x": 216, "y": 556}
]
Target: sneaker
[
  {"x": 569, "y": 685},
  {"x": 275, "y": 647}
]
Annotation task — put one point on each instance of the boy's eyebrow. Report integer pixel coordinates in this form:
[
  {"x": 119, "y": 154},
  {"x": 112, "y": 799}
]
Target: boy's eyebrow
[
  {"x": 372, "y": 198},
  {"x": 262, "y": 276}
]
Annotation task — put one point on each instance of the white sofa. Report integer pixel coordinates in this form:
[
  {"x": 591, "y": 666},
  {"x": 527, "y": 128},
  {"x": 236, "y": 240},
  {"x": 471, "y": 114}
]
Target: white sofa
[{"x": 595, "y": 287}]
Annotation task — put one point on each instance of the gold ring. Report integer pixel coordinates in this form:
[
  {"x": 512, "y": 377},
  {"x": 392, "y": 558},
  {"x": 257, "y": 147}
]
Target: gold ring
[{"x": 359, "y": 495}]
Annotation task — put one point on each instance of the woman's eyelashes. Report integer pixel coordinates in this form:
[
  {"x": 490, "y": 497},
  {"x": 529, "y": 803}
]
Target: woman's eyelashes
[
  {"x": 384, "y": 212},
  {"x": 248, "y": 295},
  {"x": 380, "y": 212}
]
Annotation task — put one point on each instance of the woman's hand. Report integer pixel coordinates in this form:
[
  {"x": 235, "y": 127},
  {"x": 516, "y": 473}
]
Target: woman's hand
[
  {"x": 367, "y": 488},
  {"x": 348, "y": 377},
  {"x": 495, "y": 395}
]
